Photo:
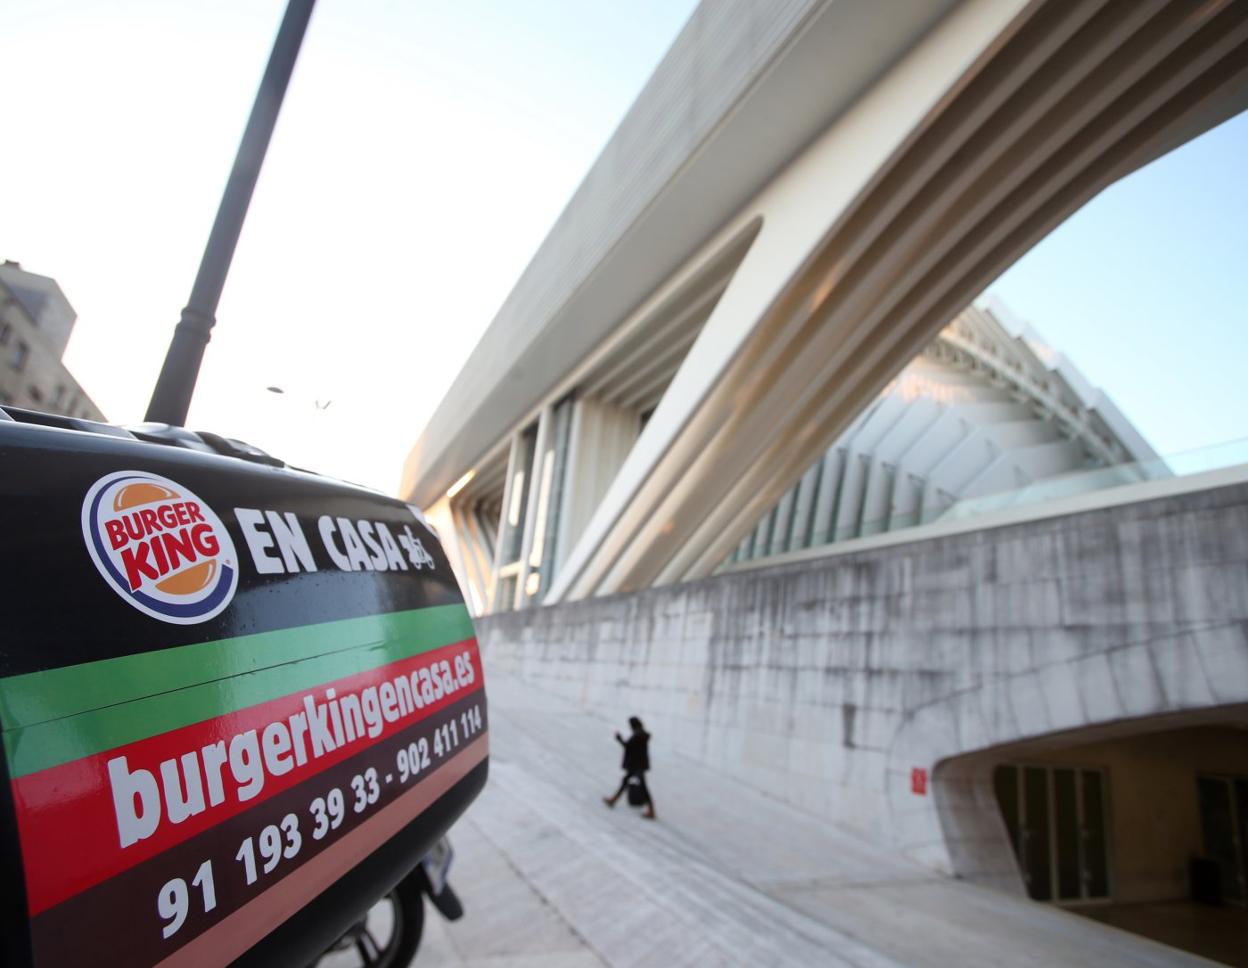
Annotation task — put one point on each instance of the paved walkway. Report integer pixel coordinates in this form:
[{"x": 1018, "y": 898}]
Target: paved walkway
[
  {"x": 550, "y": 877},
  {"x": 1220, "y": 933}
]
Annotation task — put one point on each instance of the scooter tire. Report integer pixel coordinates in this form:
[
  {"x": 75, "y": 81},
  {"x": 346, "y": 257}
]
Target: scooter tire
[{"x": 409, "y": 925}]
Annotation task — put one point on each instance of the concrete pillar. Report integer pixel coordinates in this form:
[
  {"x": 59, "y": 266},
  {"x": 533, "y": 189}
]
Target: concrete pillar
[{"x": 535, "y": 514}]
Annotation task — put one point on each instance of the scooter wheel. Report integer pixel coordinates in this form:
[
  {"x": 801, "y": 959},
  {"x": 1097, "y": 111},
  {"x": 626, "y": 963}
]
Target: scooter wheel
[
  {"x": 409, "y": 924},
  {"x": 388, "y": 936}
]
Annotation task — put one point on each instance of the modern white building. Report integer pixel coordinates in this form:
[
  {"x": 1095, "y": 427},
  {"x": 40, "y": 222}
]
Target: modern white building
[
  {"x": 36, "y": 321},
  {"x": 985, "y": 411},
  {"x": 986, "y": 414},
  {"x": 769, "y": 238},
  {"x": 738, "y": 454}
]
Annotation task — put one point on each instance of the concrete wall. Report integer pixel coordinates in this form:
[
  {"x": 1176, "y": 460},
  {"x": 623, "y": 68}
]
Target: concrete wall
[{"x": 827, "y": 681}]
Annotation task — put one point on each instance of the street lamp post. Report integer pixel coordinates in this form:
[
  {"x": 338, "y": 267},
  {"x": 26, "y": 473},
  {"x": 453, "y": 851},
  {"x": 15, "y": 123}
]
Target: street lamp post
[{"x": 172, "y": 397}]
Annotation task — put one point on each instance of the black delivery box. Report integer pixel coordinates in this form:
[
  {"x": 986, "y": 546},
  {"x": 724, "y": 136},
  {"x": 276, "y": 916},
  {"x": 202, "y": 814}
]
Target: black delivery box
[{"x": 239, "y": 701}]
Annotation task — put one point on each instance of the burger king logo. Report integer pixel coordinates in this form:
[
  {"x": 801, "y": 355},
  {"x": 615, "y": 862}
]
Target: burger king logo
[{"x": 160, "y": 547}]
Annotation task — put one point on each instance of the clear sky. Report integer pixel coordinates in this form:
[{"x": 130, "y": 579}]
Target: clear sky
[
  {"x": 423, "y": 152},
  {"x": 1145, "y": 289}
]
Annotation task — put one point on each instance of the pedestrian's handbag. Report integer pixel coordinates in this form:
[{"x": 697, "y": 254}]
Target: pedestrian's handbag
[{"x": 636, "y": 792}]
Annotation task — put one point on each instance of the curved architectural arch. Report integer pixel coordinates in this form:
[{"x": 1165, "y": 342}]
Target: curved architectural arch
[{"x": 900, "y": 182}]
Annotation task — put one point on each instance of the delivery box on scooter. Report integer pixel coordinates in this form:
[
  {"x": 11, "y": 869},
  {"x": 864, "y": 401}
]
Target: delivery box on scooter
[{"x": 239, "y": 701}]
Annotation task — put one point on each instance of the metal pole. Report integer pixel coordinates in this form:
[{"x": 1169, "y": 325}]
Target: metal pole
[{"x": 172, "y": 397}]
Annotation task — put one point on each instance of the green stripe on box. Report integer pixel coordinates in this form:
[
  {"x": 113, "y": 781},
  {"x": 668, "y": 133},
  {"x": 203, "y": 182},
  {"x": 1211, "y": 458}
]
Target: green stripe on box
[{"x": 61, "y": 715}]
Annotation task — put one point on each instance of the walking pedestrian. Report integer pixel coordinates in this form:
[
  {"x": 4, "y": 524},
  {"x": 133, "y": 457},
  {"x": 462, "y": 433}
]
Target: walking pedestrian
[{"x": 635, "y": 764}]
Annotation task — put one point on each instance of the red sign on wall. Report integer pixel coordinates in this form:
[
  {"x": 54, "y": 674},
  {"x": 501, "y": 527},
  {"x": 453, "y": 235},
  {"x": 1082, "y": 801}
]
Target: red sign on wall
[{"x": 918, "y": 781}]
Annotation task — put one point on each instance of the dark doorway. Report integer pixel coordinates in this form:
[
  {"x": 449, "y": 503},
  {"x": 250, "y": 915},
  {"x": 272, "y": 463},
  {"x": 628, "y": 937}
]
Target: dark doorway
[
  {"x": 1056, "y": 820},
  {"x": 1224, "y": 827}
]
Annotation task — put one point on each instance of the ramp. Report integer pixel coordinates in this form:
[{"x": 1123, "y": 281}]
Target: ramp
[{"x": 726, "y": 876}]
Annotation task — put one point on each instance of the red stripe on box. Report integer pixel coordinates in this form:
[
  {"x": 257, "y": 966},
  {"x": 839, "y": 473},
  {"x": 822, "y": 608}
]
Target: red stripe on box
[{"x": 66, "y": 819}]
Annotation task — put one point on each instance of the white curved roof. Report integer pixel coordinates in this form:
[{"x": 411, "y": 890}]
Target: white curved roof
[
  {"x": 745, "y": 86},
  {"x": 988, "y": 408},
  {"x": 901, "y": 156}
]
